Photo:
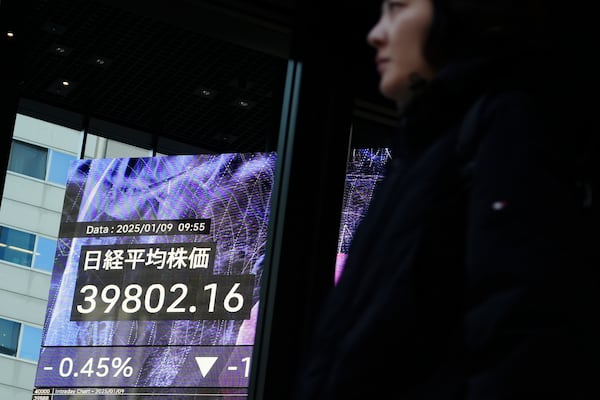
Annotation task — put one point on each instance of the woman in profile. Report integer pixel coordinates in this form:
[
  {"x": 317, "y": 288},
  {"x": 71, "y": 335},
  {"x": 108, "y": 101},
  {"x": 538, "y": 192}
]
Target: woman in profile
[{"x": 464, "y": 280}]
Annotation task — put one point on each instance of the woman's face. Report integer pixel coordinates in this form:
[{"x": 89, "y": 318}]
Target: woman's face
[{"x": 399, "y": 38}]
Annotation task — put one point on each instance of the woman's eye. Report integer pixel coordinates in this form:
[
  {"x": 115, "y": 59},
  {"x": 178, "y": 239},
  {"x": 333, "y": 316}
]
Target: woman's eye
[{"x": 391, "y": 6}]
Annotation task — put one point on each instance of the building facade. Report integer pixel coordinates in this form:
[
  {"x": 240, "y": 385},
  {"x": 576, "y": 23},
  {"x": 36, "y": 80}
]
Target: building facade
[{"x": 30, "y": 214}]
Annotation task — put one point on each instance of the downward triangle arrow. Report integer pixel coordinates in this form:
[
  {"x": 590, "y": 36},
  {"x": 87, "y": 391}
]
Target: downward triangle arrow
[{"x": 205, "y": 364}]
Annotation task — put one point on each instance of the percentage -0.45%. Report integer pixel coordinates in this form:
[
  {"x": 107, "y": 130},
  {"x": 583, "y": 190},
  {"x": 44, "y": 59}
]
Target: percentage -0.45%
[{"x": 99, "y": 367}]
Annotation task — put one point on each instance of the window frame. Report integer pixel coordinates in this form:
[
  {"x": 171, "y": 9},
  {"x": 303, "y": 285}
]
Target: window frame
[
  {"x": 12, "y": 156},
  {"x": 7, "y": 246},
  {"x": 34, "y": 250},
  {"x": 48, "y": 167},
  {"x": 19, "y": 348}
]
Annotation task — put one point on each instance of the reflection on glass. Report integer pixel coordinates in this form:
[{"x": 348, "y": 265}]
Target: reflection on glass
[
  {"x": 59, "y": 167},
  {"x": 44, "y": 254},
  {"x": 16, "y": 246},
  {"x": 28, "y": 159},
  {"x": 31, "y": 342},
  {"x": 9, "y": 337},
  {"x": 365, "y": 171}
]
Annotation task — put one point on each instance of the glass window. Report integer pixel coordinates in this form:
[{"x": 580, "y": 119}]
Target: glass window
[
  {"x": 44, "y": 254},
  {"x": 31, "y": 342},
  {"x": 9, "y": 336},
  {"x": 59, "y": 166},
  {"x": 28, "y": 159},
  {"x": 16, "y": 246}
]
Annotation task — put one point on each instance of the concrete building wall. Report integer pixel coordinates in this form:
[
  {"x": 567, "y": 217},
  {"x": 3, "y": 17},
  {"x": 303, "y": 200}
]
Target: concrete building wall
[{"x": 34, "y": 206}]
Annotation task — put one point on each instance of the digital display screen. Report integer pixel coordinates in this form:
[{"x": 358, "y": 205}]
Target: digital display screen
[
  {"x": 156, "y": 281},
  {"x": 365, "y": 170}
]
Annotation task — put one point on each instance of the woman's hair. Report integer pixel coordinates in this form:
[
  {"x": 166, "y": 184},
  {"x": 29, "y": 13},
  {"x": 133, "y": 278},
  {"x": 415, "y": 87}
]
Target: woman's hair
[{"x": 483, "y": 28}]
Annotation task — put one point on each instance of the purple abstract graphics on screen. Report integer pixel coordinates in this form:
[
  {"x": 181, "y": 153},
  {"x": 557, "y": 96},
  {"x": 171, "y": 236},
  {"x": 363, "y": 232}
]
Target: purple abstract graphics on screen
[
  {"x": 230, "y": 192},
  {"x": 365, "y": 171}
]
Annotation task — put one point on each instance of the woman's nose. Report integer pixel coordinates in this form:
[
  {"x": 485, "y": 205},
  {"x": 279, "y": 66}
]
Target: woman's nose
[{"x": 376, "y": 35}]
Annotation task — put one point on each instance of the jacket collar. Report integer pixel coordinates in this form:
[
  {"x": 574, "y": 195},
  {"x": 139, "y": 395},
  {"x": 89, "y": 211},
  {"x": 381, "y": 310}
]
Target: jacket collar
[{"x": 441, "y": 104}]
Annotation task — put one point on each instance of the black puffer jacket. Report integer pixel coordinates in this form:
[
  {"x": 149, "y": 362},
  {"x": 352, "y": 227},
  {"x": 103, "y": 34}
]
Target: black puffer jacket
[{"x": 463, "y": 281}]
